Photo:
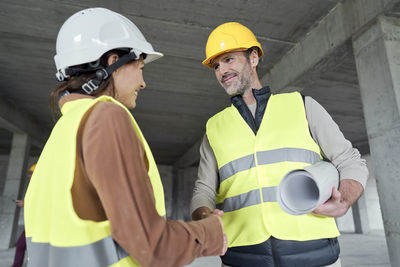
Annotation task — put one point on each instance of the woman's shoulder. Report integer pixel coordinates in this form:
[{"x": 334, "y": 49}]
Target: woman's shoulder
[
  {"x": 106, "y": 108},
  {"x": 108, "y": 112}
]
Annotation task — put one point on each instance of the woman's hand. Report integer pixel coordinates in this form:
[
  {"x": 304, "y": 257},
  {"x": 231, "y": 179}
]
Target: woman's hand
[{"x": 219, "y": 213}]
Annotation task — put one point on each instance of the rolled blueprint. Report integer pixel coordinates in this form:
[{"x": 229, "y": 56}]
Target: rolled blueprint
[{"x": 301, "y": 191}]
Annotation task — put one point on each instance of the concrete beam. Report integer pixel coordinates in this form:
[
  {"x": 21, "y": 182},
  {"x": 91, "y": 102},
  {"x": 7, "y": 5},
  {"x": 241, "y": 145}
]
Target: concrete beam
[
  {"x": 17, "y": 121},
  {"x": 190, "y": 157},
  {"x": 171, "y": 25},
  {"x": 302, "y": 64}
]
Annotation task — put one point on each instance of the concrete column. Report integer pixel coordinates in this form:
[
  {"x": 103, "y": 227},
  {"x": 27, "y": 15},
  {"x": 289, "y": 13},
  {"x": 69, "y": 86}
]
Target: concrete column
[
  {"x": 3, "y": 171},
  {"x": 371, "y": 194},
  {"x": 13, "y": 189},
  {"x": 360, "y": 216},
  {"x": 377, "y": 54},
  {"x": 176, "y": 173},
  {"x": 190, "y": 176},
  {"x": 182, "y": 192},
  {"x": 167, "y": 181}
]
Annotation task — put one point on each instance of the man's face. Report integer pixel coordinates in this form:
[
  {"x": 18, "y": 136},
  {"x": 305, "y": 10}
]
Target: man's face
[{"x": 233, "y": 72}]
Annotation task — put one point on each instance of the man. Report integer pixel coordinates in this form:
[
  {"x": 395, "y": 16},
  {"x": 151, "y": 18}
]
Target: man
[{"x": 251, "y": 145}]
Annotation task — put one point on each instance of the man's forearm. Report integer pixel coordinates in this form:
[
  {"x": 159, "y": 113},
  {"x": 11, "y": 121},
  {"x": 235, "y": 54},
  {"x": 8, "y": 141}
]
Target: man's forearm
[{"x": 350, "y": 190}]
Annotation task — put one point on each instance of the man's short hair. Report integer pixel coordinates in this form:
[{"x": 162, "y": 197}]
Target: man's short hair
[{"x": 248, "y": 52}]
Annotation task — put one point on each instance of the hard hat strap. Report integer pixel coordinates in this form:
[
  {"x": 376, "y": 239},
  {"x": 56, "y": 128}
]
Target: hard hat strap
[{"x": 103, "y": 73}]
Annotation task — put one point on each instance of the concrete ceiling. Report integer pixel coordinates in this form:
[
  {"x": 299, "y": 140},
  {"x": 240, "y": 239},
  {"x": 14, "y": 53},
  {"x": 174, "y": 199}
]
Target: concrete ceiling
[{"x": 181, "y": 94}]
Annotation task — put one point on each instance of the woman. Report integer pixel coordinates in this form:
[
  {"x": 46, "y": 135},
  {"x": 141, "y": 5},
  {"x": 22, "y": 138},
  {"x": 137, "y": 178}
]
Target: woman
[
  {"x": 20, "y": 246},
  {"x": 96, "y": 196}
]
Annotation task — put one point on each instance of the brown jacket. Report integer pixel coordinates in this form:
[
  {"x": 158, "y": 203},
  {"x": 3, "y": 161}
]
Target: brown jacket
[{"x": 111, "y": 183}]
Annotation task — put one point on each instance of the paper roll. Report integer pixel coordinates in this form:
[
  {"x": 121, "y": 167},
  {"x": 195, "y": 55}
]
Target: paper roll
[{"x": 301, "y": 191}]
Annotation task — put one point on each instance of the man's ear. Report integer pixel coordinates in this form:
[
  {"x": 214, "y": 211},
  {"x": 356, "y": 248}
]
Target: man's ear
[
  {"x": 112, "y": 59},
  {"x": 254, "y": 58}
]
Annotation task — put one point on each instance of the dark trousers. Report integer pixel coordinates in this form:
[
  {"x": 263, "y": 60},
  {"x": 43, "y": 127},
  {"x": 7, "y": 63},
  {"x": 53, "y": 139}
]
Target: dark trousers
[{"x": 20, "y": 248}]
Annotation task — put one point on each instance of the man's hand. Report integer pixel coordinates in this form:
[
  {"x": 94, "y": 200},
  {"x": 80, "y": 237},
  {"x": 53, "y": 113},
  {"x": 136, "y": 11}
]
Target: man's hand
[
  {"x": 218, "y": 212},
  {"x": 341, "y": 200},
  {"x": 225, "y": 247},
  {"x": 333, "y": 207},
  {"x": 201, "y": 213}
]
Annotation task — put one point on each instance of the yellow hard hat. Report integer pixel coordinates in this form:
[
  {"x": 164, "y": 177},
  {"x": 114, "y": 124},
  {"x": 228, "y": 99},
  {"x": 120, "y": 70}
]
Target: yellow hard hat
[
  {"x": 32, "y": 168},
  {"x": 228, "y": 37}
]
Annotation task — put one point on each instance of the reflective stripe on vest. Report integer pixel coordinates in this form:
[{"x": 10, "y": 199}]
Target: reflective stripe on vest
[
  {"x": 104, "y": 252},
  {"x": 248, "y": 199},
  {"x": 268, "y": 157}
]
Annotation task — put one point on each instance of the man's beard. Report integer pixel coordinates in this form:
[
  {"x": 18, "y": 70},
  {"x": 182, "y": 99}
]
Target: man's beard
[{"x": 242, "y": 85}]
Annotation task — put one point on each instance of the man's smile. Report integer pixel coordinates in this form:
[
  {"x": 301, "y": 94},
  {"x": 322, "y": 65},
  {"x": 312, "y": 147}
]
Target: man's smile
[{"x": 228, "y": 77}]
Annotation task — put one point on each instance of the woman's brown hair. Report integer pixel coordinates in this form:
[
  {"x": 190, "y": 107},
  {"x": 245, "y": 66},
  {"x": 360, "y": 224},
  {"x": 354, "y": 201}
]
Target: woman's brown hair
[{"x": 75, "y": 83}]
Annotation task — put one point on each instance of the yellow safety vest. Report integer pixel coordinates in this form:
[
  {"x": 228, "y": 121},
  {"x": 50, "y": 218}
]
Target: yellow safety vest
[
  {"x": 55, "y": 235},
  {"x": 252, "y": 166}
]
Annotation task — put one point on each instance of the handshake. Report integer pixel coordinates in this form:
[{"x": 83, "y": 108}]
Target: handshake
[{"x": 204, "y": 212}]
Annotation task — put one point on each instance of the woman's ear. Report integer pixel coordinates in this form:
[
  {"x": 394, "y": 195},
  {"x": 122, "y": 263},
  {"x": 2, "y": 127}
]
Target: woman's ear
[{"x": 112, "y": 59}]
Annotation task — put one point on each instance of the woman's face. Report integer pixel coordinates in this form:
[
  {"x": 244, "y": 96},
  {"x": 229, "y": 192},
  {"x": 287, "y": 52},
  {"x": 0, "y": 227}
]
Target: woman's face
[{"x": 128, "y": 81}]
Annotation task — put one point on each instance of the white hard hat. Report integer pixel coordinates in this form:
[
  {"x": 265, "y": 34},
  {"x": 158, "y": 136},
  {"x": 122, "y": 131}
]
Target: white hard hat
[{"x": 90, "y": 33}]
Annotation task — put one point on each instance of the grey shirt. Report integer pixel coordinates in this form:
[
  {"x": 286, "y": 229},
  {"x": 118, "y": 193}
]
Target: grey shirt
[{"x": 326, "y": 133}]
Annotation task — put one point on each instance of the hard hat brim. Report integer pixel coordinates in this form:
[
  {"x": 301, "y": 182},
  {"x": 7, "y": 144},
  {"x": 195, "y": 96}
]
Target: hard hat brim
[
  {"x": 208, "y": 61},
  {"x": 151, "y": 56}
]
